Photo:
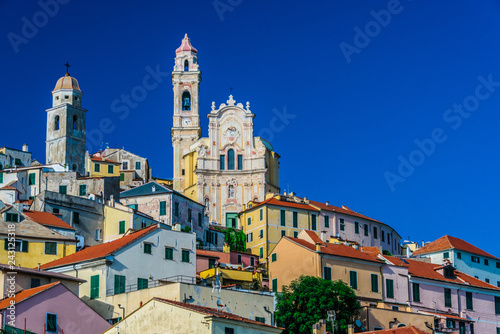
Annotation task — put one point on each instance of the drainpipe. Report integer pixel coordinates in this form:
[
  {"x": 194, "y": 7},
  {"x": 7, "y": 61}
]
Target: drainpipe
[
  {"x": 76, "y": 270},
  {"x": 123, "y": 310},
  {"x": 271, "y": 314}
]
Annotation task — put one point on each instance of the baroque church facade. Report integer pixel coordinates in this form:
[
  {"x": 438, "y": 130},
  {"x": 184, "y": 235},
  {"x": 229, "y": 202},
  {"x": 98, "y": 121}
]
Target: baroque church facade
[{"x": 231, "y": 166}]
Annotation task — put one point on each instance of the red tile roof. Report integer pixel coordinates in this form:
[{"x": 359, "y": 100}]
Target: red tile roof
[
  {"x": 399, "y": 330},
  {"x": 25, "y": 294},
  {"x": 444, "y": 315},
  {"x": 276, "y": 202},
  {"x": 211, "y": 312},
  {"x": 46, "y": 219},
  {"x": 372, "y": 250},
  {"x": 343, "y": 209},
  {"x": 314, "y": 237},
  {"x": 100, "y": 251},
  {"x": 36, "y": 272},
  {"x": 448, "y": 242},
  {"x": 338, "y": 250},
  {"x": 105, "y": 160}
]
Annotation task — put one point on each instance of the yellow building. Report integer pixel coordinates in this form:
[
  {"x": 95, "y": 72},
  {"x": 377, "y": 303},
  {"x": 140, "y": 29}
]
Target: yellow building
[
  {"x": 119, "y": 219},
  {"x": 265, "y": 223},
  {"x": 231, "y": 274},
  {"x": 308, "y": 255},
  {"x": 100, "y": 167},
  {"x": 28, "y": 243}
]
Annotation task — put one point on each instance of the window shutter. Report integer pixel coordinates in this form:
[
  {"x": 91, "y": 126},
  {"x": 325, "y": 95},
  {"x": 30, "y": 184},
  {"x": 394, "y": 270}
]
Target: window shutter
[{"x": 24, "y": 246}]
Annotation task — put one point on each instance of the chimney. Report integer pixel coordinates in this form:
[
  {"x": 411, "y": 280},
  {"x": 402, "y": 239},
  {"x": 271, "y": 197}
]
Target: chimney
[
  {"x": 323, "y": 236},
  {"x": 350, "y": 329},
  {"x": 112, "y": 201},
  {"x": 38, "y": 266},
  {"x": 327, "y": 203},
  {"x": 318, "y": 247},
  {"x": 25, "y": 147}
]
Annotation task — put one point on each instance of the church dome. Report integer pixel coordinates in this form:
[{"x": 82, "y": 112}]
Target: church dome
[
  {"x": 186, "y": 45},
  {"x": 67, "y": 82}
]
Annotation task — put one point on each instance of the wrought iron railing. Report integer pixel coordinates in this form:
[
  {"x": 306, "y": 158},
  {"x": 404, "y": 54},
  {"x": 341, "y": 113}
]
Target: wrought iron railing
[{"x": 152, "y": 284}]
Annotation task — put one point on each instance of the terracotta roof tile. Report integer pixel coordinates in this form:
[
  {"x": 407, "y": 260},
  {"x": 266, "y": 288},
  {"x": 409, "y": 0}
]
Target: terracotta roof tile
[
  {"x": 25, "y": 294},
  {"x": 399, "y": 330},
  {"x": 448, "y": 242},
  {"x": 104, "y": 160},
  {"x": 343, "y": 209},
  {"x": 445, "y": 315},
  {"x": 211, "y": 312},
  {"x": 37, "y": 272},
  {"x": 100, "y": 251},
  {"x": 276, "y": 202},
  {"x": 47, "y": 219}
]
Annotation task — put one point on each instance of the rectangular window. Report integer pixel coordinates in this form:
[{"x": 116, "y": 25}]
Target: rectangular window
[
  {"x": 51, "y": 248},
  {"x": 468, "y": 300},
  {"x": 190, "y": 215},
  {"x": 142, "y": 283},
  {"x": 498, "y": 265},
  {"x": 356, "y": 227},
  {"x": 238, "y": 259},
  {"x": 327, "y": 273},
  {"x": 122, "y": 176},
  {"x": 416, "y": 292},
  {"x": 250, "y": 237},
  {"x": 169, "y": 253},
  {"x": 374, "y": 280},
  {"x": 1, "y": 177},
  {"x": 313, "y": 222},
  {"x": 94, "y": 287},
  {"x": 261, "y": 234},
  {"x": 163, "y": 208},
  {"x": 295, "y": 219},
  {"x": 283, "y": 233},
  {"x": 342, "y": 224},
  {"x": 375, "y": 232},
  {"x": 240, "y": 162},
  {"x": 125, "y": 165},
  {"x": 228, "y": 330},
  {"x": 353, "y": 279},
  {"x": 76, "y": 217},
  {"x": 447, "y": 297},
  {"x": 63, "y": 190},
  {"x": 137, "y": 165},
  {"x": 176, "y": 209},
  {"x": 111, "y": 169},
  {"x": 97, "y": 234},
  {"x": 148, "y": 248},
  {"x": 295, "y": 234},
  {"x": 200, "y": 219},
  {"x": 35, "y": 282},
  {"x": 283, "y": 217},
  {"x": 252, "y": 261},
  {"x": 389, "y": 287},
  {"x": 222, "y": 162},
  {"x": 366, "y": 230},
  {"x": 260, "y": 319},
  {"x": 121, "y": 227},
  {"x": 31, "y": 179},
  {"x": 382, "y": 234},
  {"x": 273, "y": 257},
  {"x": 275, "y": 285},
  {"x": 249, "y": 221},
  {"x": 51, "y": 324},
  {"x": 11, "y": 217},
  {"x": 261, "y": 213},
  {"x": 185, "y": 255},
  {"x": 486, "y": 262},
  {"x": 119, "y": 284},
  {"x": 497, "y": 305},
  {"x": 261, "y": 252},
  {"x": 446, "y": 255},
  {"x": 459, "y": 255},
  {"x": 327, "y": 221},
  {"x": 18, "y": 162},
  {"x": 97, "y": 168},
  {"x": 211, "y": 263},
  {"x": 82, "y": 190},
  {"x": 487, "y": 280},
  {"x": 474, "y": 259}
]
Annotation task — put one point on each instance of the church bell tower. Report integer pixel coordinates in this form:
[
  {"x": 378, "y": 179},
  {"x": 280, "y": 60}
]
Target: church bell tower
[
  {"x": 65, "y": 142},
  {"x": 186, "y": 78}
]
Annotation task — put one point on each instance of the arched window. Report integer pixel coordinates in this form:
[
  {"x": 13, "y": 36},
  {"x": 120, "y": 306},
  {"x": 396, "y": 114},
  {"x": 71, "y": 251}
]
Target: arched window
[
  {"x": 186, "y": 101},
  {"x": 75, "y": 120},
  {"x": 230, "y": 159},
  {"x": 230, "y": 191},
  {"x": 186, "y": 65},
  {"x": 56, "y": 123}
]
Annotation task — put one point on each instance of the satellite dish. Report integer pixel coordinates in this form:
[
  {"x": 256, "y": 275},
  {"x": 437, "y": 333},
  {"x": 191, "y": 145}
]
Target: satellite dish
[{"x": 358, "y": 323}]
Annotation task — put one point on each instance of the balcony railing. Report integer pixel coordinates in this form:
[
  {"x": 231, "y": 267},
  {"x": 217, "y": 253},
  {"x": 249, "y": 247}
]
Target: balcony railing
[{"x": 153, "y": 284}]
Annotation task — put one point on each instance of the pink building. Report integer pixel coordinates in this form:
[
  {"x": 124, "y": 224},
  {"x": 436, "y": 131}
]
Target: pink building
[{"x": 51, "y": 308}]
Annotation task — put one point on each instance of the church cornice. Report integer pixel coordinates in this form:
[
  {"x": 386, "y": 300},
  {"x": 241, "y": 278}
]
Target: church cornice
[{"x": 68, "y": 105}]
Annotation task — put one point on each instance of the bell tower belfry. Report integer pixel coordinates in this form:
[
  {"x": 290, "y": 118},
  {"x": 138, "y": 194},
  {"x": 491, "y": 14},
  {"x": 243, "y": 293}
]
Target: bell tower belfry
[
  {"x": 186, "y": 78},
  {"x": 65, "y": 142}
]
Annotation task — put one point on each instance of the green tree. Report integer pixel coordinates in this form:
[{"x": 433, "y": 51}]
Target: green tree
[{"x": 306, "y": 301}]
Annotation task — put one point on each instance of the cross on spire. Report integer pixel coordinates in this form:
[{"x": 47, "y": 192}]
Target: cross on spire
[
  {"x": 67, "y": 67},
  {"x": 231, "y": 90}
]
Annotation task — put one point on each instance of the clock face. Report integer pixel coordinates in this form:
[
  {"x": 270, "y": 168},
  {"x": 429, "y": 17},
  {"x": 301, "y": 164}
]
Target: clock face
[{"x": 186, "y": 121}]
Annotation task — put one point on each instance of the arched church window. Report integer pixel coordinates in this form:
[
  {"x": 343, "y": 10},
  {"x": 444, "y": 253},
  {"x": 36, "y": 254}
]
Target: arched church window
[
  {"x": 186, "y": 65},
  {"x": 75, "y": 121},
  {"x": 207, "y": 203},
  {"x": 186, "y": 101},
  {"x": 230, "y": 191},
  {"x": 56, "y": 123},
  {"x": 230, "y": 159}
]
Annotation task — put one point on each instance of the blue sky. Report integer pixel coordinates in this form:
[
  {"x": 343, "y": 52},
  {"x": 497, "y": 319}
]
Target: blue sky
[{"x": 361, "y": 83}]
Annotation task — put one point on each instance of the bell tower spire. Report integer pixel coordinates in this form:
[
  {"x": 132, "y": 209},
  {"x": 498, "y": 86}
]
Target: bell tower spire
[{"x": 186, "y": 78}]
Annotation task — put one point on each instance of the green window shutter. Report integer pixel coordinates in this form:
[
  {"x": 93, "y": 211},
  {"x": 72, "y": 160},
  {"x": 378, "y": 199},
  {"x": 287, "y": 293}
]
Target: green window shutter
[
  {"x": 176, "y": 209},
  {"x": 446, "y": 255},
  {"x": 342, "y": 224},
  {"x": 122, "y": 176},
  {"x": 142, "y": 283},
  {"x": 327, "y": 221},
  {"x": 468, "y": 297},
  {"x": 313, "y": 222},
  {"x": 447, "y": 297},
  {"x": 111, "y": 169},
  {"x": 353, "y": 280},
  {"x": 190, "y": 214},
  {"x": 261, "y": 213},
  {"x": 50, "y": 248},
  {"x": 51, "y": 325},
  {"x": 137, "y": 165},
  {"x": 200, "y": 219},
  {"x": 1, "y": 177},
  {"x": 356, "y": 227},
  {"x": 375, "y": 232},
  {"x": 273, "y": 257},
  {"x": 327, "y": 273},
  {"x": 374, "y": 279},
  {"x": 295, "y": 219},
  {"x": 83, "y": 190},
  {"x": 249, "y": 221},
  {"x": 147, "y": 248},
  {"x": 6, "y": 244},
  {"x": 97, "y": 167},
  {"x": 261, "y": 234},
  {"x": 240, "y": 162},
  {"x": 366, "y": 230},
  {"x": 119, "y": 284},
  {"x": 32, "y": 178},
  {"x": 63, "y": 190},
  {"x": 275, "y": 285},
  {"x": 121, "y": 227},
  {"x": 261, "y": 252},
  {"x": 222, "y": 162},
  {"x": 169, "y": 253},
  {"x": 94, "y": 287},
  {"x": 497, "y": 305},
  {"x": 24, "y": 246},
  {"x": 283, "y": 217},
  {"x": 185, "y": 255},
  {"x": 390, "y": 288},
  {"x": 416, "y": 292},
  {"x": 163, "y": 208}
]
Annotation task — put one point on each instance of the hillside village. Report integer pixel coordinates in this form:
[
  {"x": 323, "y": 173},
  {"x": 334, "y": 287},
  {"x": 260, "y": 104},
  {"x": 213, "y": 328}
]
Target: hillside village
[{"x": 95, "y": 243}]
